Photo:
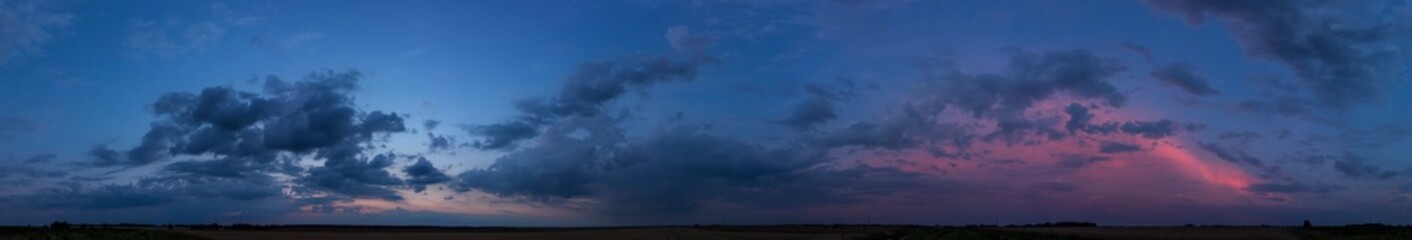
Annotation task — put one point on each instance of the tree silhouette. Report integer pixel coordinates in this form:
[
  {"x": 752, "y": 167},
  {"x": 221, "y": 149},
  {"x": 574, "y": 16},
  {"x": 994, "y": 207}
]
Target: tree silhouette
[{"x": 1307, "y": 224}]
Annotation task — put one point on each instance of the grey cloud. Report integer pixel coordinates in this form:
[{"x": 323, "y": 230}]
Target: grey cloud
[
  {"x": 583, "y": 95},
  {"x": 1140, "y": 50},
  {"x": 28, "y": 26},
  {"x": 1113, "y": 147},
  {"x": 1184, "y": 75},
  {"x": 817, "y": 106},
  {"x": 12, "y": 127},
  {"x": 31, "y": 172},
  {"x": 431, "y": 124},
  {"x": 247, "y": 136},
  {"x": 1027, "y": 79},
  {"x": 1080, "y": 161},
  {"x": 1340, "y": 58},
  {"x": 1293, "y": 188},
  {"x": 1231, "y": 155},
  {"x": 1078, "y": 117},
  {"x": 422, "y": 173},
  {"x": 1153, "y": 129},
  {"x": 1354, "y": 166}
]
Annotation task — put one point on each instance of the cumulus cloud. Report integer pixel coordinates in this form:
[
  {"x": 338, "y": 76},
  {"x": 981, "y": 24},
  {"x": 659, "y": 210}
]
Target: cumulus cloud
[
  {"x": 1345, "y": 53},
  {"x": 27, "y": 27},
  {"x": 1184, "y": 76},
  {"x": 239, "y": 137},
  {"x": 422, "y": 173}
]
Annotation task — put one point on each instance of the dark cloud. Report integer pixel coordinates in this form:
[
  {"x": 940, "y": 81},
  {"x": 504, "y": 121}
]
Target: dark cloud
[
  {"x": 1078, "y": 117},
  {"x": 431, "y": 124},
  {"x": 1293, "y": 188},
  {"x": 1079, "y": 161},
  {"x": 41, "y": 158},
  {"x": 902, "y": 131},
  {"x": 439, "y": 143},
  {"x": 584, "y": 94},
  {"x": 1113, "y": 147},
  {"x": 31, "y": 172},
  {"x": 1184, "y": 75},
  {"x": 1231, "y": 154},
  {"x": 1340, "y": 56},
  {"x": 1150, "y": 129},
  {"x": 12, "y": 127},
  {"x": 1354, "y": 166},
  {"x": 28, "y": 26},
  {"x": 818, "y": 106},
  {"x": 1027, "y": 79},
  {"x": 422, "y": 173},
  {"x": 240, "y": 138}
]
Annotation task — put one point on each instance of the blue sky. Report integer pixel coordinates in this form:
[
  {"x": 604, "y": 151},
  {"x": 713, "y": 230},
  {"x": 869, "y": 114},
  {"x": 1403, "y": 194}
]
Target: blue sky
[{"x": 699, "y": 112}]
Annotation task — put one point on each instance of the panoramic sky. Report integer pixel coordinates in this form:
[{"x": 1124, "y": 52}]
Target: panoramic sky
[{"x": 590, "y": 113}]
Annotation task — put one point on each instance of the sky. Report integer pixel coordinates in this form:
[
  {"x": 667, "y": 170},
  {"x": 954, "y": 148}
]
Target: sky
[{"x": 610, "y": 113}]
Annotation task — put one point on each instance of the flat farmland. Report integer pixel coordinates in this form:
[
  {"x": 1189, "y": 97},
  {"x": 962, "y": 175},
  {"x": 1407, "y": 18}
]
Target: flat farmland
[{"x": 585, "y": 234}]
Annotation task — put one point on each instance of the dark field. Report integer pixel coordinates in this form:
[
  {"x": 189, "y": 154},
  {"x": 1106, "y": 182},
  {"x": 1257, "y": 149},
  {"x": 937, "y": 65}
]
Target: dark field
[{"x": 710, "y": 233}]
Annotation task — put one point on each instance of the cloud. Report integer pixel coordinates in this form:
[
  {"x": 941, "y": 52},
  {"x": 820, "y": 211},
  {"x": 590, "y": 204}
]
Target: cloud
[
  {"x": 817, "y": 106},
  {"x": 1113, "y": 147},
  {"x": 1354, "y": 166},
  {"x": 41, "y": 158},
  {"x": 1293, "y": 188},
  {"x": 171, "y": 38},
  {"x": 13, "y": 127},
  {"x": 247, "y": 136},
  {"x": 31, "y": 172},
  {"x": 1184, "y": 76},
  {"x": 584, "y": 94},
  {"x": 683, "y": 40},
  {"x": 422, "y": 173},
  {"x": 27, "y": 27},
  {"x": 1345, "y": 53},
  {"x": 1231, "y": 154},
  {"x": 1027, "y": 79},
  {"x": 1078, "y": 117}
]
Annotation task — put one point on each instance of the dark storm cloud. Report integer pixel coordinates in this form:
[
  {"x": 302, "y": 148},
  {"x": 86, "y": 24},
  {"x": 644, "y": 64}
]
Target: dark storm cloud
[
  {"x": 1114, "y": 147},
  {"x": 1345, "y": 53},
  {"x": 150, "y": 192},
  {"x": 584, "y": 94},
  {"x": 1029, "y": 78},
  {"x": 1354, "y": 166},
  {"x": 28, "y": 26},
  {"x": 422, "y": 173},
  {"x": 1184, "y": 75}
]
